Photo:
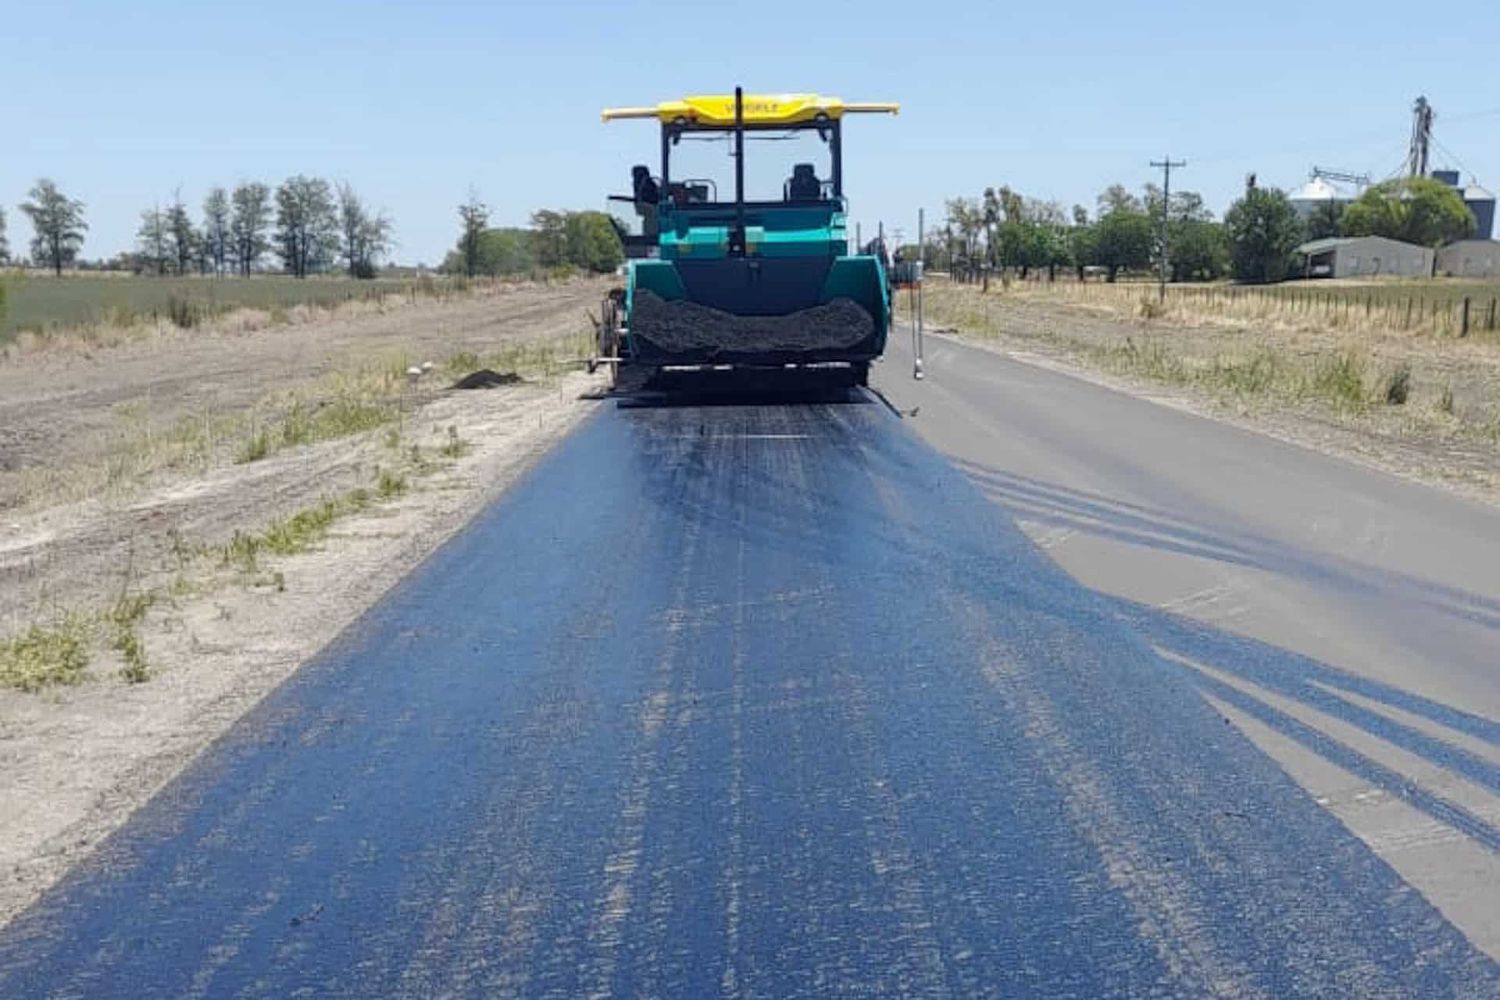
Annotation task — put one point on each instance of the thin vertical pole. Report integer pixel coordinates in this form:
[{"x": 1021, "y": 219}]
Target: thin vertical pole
[
  {"x": 921, "y": 268},
  {"x": 737, "y": 241},
  {"x": 1166, "y": 165}
]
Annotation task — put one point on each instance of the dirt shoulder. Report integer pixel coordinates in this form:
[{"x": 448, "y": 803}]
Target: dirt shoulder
[
  {"x": 167, "y": 599},
  {"x": 1332, "y": 390}
]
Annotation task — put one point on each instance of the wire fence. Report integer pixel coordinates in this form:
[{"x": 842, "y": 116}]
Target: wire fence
[{"x": 1434, "y": 308}]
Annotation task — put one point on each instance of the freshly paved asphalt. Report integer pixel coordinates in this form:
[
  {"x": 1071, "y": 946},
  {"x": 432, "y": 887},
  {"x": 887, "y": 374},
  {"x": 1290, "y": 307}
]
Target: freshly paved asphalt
[{"x": 750, "y": 700}]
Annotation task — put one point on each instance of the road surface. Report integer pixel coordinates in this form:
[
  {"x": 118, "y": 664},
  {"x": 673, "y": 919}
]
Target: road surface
[
  {"x": 1371, "y": 604},
  {"x": 772, "y": 700}
]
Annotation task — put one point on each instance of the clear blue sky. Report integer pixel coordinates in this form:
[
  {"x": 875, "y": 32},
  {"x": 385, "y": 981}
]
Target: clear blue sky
[{"x": 412, "y": 103}]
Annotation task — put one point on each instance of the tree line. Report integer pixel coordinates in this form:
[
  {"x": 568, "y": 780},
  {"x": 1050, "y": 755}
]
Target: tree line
[
  {"x": 309, "y": 225},
  {"x": 1255, "y": 242},
  {"x": 1003, "y": 229},
  {"x": 587, "y": 241}
]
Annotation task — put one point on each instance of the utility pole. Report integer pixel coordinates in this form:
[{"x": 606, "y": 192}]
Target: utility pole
[{"x": 1166, "y": 211}]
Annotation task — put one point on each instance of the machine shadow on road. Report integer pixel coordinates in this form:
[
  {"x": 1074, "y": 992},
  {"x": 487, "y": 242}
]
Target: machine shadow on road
[
  {"x": 1251, "y": 675},
  {"x": 1092, "y": 513},
  {"x": 1239, "y": 672}
]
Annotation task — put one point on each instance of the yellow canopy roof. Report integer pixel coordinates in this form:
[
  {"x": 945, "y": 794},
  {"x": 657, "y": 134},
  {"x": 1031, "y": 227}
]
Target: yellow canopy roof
[{"x": 760, "y": 109}]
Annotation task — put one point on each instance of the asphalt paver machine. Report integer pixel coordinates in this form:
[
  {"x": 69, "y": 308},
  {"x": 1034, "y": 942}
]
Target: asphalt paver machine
[{"x": 742, "y": 260}]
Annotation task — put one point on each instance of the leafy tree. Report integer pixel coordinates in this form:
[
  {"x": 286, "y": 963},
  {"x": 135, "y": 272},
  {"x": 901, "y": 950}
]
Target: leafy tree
[
  {"x": 306, "y": 225},
  {"x": 1324, "y": 220},
  {"x": 1047, "y": 247},
  {"x": 990, "y": 215},
  {"x": 1200, "y": 250},
  {"x": 1187, "y": 206},
  {"x": 1006, "y": 244},
  {"x": 474, "y": 217},
  {"x": 549, "y": 237},
  {"x": 1117, "y": 198},
  {"x": 500, "y": 252},
  {"x": 506, "y": 251},
  {"x": 1263, "y": 230},
  {"x": 1083, "y": 245},
  {"x": 249, "y": 219},
  {"x": 968, "y": 216},
  {"x": 1123, "y": 239},
  {"x": 1199, "y": 246},
  {"x": 364, "y": 237},
  {"x": 1412, "y": 209},
  {"x": 593, "y": 243},
  {"x": 4, "y": 244},
  {"x": 182, "y": 238},
  {"x": 1193, "y": 241},
  {"x": 152, "y": 241},
  {"x": 1013, "y": 207},
  {"x": 216, "y": 229},
  {"x": 57, "y": 221}
]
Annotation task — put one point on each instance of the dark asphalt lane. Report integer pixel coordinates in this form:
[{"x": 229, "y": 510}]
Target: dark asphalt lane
[{"x": 746, "y": 701}]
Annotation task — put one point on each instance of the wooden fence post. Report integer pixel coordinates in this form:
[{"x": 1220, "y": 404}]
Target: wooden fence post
[{"x": 1463, "y": 325}]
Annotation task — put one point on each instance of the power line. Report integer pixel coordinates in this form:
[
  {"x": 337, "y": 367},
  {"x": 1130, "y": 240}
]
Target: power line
[
  {"x": 1471, "y": 115},
  {"x": 1166, "y": 208},
  {"x": 1461, "y": 164}
]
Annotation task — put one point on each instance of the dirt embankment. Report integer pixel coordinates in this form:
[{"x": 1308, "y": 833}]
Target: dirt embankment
[
  {"x": 186, "y": 519},
  {"x": 1414, "y": 402}
]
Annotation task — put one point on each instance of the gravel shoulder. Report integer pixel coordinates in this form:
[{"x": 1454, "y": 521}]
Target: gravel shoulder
[{"x": 221, "y": 623}]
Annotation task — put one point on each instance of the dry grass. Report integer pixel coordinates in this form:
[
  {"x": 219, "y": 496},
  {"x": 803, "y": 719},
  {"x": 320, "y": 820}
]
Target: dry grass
[
  {"x": 1250, "y": 349},
  {"x": 1411, "y": 307},
  {"x": 58, "y": 651},
  {"x": 362, "y": 398},
  {"x": 544, "y": 359},
  {"x": 298, "y": 532},
  {"x": 341, "y": 405},
  {"x": 123, "y": 620},
  {"x": 369, "y": 402}
]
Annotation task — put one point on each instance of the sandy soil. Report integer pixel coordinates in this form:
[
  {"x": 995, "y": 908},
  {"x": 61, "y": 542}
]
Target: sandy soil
[
  {"x": 76, "y": 761},
  {"x": 1416, "y": 440},
  {"x": 62, "y": 406}
]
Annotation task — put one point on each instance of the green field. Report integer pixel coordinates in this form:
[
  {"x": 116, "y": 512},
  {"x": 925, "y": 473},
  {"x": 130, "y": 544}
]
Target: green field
[{"x": 43, "y": 303}]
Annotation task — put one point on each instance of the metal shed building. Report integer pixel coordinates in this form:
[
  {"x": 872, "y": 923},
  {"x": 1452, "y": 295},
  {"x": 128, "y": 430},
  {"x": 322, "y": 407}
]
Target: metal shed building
[
  {"x": 1470, "y": 259},
  {"x": 1364, "y": 257}
]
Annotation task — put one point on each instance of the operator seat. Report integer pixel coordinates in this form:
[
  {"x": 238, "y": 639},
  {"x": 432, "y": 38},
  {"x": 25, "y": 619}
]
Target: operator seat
[
  {"x": 804, "y": 184},
  {"x": 643, "y": 185},
  {"x": 647, "y": 195}
]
